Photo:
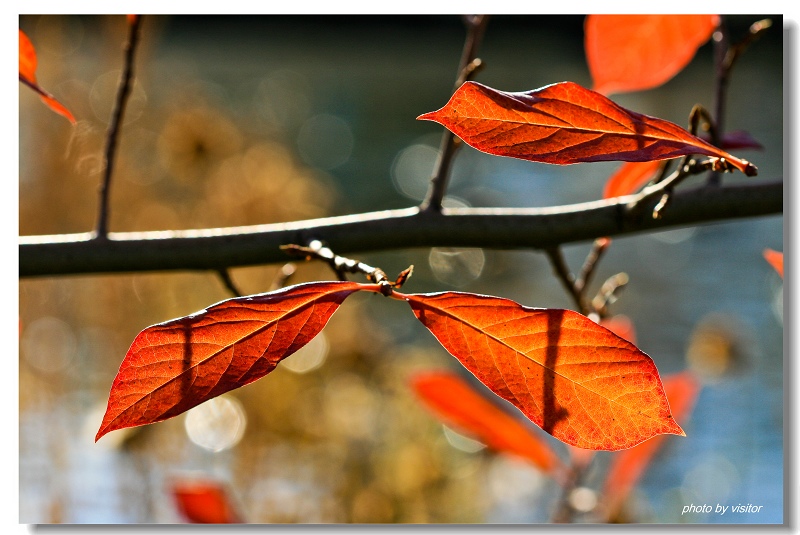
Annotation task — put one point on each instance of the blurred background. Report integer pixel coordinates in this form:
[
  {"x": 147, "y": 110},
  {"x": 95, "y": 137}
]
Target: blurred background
[{"x": 243, "y": 120}]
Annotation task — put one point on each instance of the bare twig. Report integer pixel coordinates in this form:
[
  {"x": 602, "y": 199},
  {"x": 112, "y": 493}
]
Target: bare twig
[
  {"x": 725, "y": 57},
  {"x": 117, "y": 115},
  {"x": 467, "y": 67},
  {"x": 599, "y": 247},
  {"x": 226, "y": 279},
  {"x": 567, "y": 279}
]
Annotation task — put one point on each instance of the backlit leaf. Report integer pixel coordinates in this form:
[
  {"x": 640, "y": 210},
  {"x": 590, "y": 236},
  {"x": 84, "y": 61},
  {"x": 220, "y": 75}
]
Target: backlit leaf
[
  {"x": 459, "y": 405},
  {"x": 775, "y": 259},
  {"x": 174, "y": 366},
  {"x": 637, "y": 52},
  {"x": 575, "y": 379},
  {"x": 565, "y": 123},
  {"x": 27, "y": 75},
  {"x": 627, "y": 467},
  {"x": 630, "y": 178},
  {"x": 204, "y": 502}
]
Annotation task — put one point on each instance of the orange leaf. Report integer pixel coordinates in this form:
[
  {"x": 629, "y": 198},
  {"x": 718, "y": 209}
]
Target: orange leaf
[
  {"x": 204, "y": 502},
  {"x": 565, "y": 123},
  {"x": 775, "y": 259},
  {"x": 637, "y": 52},
  {"x": 174, "y": 366},
  {"x": 575, "y": 379},
  {"x": 627, "y": 467},
  {"x": 27, "y": 75},
  {"x": 629, "y": 178},
  {"x": 462, "y": 407}
]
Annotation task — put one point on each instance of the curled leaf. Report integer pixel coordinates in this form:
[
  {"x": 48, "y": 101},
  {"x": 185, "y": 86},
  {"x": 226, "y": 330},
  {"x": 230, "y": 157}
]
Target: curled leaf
[
  {"x": 637, "y": 52},
  {"x": 27, "y": 75},
  {"x": 459, "y": 405},
  {"x": 174, "y": 366},
  {"x": 573, "y": 378},
  {"x": 565, "y": 123}
]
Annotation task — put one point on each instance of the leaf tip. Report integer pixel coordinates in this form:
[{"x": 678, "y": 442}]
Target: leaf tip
[
  {"x": 750, "y": 169},
  {"x": 430, "y": 116}
]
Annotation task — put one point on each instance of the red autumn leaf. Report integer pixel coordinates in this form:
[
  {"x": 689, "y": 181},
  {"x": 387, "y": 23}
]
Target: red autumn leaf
[
  {"x": 459, "y": 405},
  {"x": 565, "y": 123},
  {"x": 627, "y": 467},
  {"x": 174, "y": 366},
  {"x": 27, "y": 75},
  {"x": 630, "y": 178},
  {"x": 575, "y": 379},
  {"x": 204, "y": 502},
  {"x": 622, "y": 326},
  {"x": 775, "y": 259},
  {"x": 637, "y": 52}
]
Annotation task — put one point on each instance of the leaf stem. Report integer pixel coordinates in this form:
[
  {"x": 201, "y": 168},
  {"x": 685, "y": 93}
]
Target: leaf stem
[
  {"x": 341, "y": 265},
  {"x": 467, "y": 68},
  {"x": 112, "y": 135}
]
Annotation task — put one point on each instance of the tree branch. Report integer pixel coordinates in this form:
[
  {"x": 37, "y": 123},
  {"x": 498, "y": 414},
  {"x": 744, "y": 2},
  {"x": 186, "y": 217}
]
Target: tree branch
[{"x": 495, "y": 228}]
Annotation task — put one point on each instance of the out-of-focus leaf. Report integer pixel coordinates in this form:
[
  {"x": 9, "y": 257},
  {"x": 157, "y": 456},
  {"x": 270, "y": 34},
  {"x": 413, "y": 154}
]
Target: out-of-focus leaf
[
  {"x": 775, "y": 259},
  {"x": 174, "y": 366},
  {"x": 573, "y": 378},
  {"x": 630, "y": 178},
  {"x": 565, "y": 123},
  {"x": 637, "y": 52},
  {"x": 738, "y": 139},
  {"x": 459, "y": 405},
  {"x": 27, "y": 75},
  {"x": 204, "y": 502},
  {"x": 628, "y": 466},
  {"x": 622, "y": 326}
]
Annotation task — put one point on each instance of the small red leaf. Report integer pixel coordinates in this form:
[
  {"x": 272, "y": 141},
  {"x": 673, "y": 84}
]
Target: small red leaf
[
  {"x": 627, "y": 467},
  {"x": 573, "y": 378},
  {"x": 27, "y": 75},
  {"x": 630, "y": 178},
  {"x": 174, "y": 366},
  {"x": 204, "y": 502},
  {"x": 27, "y": 58},
  {"x": 775, "y": 259},
  {"x": 637, "y": 52},
  {"x": 459, "y": 405},
  {"x": 565, "y": 123}
]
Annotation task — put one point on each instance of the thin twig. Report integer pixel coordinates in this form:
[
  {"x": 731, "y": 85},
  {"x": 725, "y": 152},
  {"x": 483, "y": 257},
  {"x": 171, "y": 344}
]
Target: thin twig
[
  {"x": 134, "y": 23},
  {"x": 567, "y": 279},
  {"x": 225, "y": 276},
  {"x": 599, "y": 247},
  {"x": 725, "y": 56},
  {"x": 467, "y": 67}
]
